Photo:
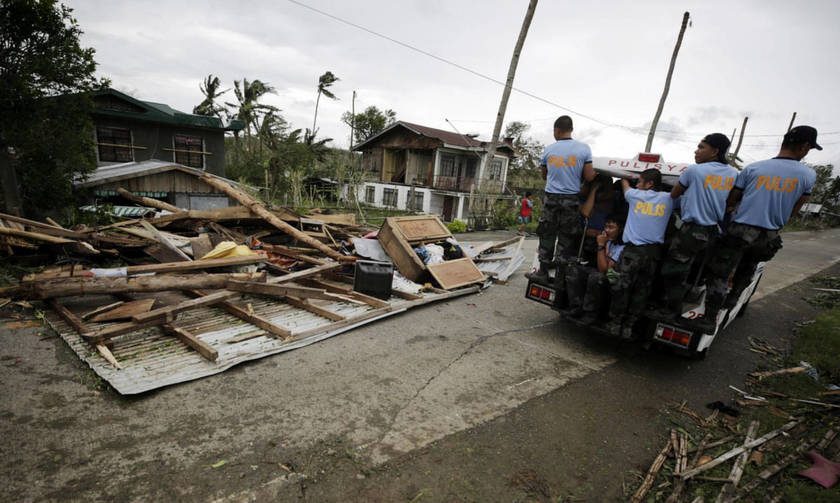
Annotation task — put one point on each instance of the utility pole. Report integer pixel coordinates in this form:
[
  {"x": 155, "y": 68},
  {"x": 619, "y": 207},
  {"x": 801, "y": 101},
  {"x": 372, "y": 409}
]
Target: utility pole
[
  {"x": 741, "y": 136},
  {"x": 667, "y": 84},
  {"x": 514, "y": 61},
  {"x": 791, "y": 121},
  {"x": 353, "y": 120}
]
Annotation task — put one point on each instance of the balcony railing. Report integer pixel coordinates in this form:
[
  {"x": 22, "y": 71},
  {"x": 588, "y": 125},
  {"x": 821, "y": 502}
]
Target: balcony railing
[{"x": 454, "y": 183}]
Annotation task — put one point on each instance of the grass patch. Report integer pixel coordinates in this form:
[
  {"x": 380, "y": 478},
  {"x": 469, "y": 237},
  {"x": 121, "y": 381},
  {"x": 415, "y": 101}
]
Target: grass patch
[{"x": 819, "y": 344}]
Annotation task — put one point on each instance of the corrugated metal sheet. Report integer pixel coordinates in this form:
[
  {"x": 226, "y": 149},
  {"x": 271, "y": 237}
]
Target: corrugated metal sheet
[
  {"x": 121, "y": 211},
  {"x": 151, "y": 359},
  {"x": 500, "y": 269}
]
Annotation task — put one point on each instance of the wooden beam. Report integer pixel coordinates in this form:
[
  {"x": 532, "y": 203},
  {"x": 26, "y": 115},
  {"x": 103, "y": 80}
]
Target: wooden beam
[
  {"x": 254, "y": 319},
  {"x": 196, "y": 264},
  {"x": 367, "y": 299},
  {"x": 125, "y": 311},
  {"x": 306, "y": 273},
  {"x": 283, "y": 290},
  {"x": 160, "y": 238},
  {"x": 192, "y": 341},
  {"x": 147, "y": 201},
  {"x": 102, "y": 309},
  {"x": 168, "y": 313},
  {"x": 83, "y": 330},
  {"x": 259, "y": 209},
  {"x": 312, "y": 308},
  {"x": 35, "y": 235}
]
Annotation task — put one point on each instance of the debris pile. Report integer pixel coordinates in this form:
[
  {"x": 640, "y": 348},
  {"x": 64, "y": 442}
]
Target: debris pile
[{"x": 230, "y": 284}]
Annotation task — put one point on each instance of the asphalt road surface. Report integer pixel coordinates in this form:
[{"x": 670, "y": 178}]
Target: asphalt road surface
[{"x": 373, "y": 395}]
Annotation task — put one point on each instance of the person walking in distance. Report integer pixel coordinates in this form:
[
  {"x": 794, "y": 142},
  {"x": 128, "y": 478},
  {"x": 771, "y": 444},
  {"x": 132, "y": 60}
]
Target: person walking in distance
[
  {"x": 525, "y": 212},
  {"x": 769, "y": 193},
  {"x": 563, "y": 164},
  {"x": 704, "y": 188}
]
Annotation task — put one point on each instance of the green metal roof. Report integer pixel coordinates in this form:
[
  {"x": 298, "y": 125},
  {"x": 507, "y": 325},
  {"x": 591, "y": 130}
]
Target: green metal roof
[{"x": 162, "y": 113}]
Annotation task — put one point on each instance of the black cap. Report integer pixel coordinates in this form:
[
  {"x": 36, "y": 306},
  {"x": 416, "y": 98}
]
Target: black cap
[
  {"x": 720, "y": 142},
  {"x": 802, "y": 134}
]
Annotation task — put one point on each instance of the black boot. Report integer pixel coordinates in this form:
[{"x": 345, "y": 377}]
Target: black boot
[{"x": 540, "y": 275}]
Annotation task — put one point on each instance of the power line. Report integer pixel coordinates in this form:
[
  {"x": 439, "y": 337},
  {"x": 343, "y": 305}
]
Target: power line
[{"x": 633, "y": 129}]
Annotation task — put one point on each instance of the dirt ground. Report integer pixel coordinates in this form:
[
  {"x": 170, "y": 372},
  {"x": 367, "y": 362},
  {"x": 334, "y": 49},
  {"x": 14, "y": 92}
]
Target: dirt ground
[{"x": 578, "y": 443}]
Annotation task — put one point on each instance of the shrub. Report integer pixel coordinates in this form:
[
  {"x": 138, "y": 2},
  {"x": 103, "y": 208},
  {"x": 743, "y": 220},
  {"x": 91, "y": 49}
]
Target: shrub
[{"x": 457, "y": 226}]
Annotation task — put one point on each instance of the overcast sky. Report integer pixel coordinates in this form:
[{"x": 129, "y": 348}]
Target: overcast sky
[{"x": 603, "y": 60}]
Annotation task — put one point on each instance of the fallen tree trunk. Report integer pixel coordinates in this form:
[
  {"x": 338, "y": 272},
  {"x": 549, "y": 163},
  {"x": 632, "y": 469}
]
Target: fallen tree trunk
[
  {"x": 259, "y": 209},
  {"x": 66, "y": 287}
]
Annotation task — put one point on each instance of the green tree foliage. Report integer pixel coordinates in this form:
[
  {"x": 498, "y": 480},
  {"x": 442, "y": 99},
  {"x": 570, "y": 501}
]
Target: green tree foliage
[
  {"x": 210, "y": 90},
  {"x": 324, "y": 82},
  {"x": 524, "y": 170},
  {"x": 248, "y": 107},
  {"x": 826, "y": 189},
  {"x": 369, "y": 122},
  {"x": 46, "y": 134}
]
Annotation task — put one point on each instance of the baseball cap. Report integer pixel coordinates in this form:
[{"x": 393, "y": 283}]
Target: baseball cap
[{"x": 803, "y": 134}]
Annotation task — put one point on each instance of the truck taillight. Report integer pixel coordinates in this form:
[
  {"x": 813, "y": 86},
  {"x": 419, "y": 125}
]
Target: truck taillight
[
  {"x": 545, "y": 294},
  {"x": 535, "y": 291},
  {"x": 649, "y": 157},
  {"x": 671, "y": 334}
]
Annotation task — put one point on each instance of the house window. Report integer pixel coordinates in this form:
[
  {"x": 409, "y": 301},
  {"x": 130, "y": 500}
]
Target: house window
[
  {"x": 389, "y": 197},
  {"x": 188, "y": 150},
  {"x": 447, "y": 165},
  {"x": 418, "y": 201},
  {"x": 370, "y": 195},
  {"x": 114, "y": 144},
  {"x": 495, "y": 172}
]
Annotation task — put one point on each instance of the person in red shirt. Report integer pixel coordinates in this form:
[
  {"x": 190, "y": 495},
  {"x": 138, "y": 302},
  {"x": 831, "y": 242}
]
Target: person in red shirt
[{"x": 524, "y": 212}]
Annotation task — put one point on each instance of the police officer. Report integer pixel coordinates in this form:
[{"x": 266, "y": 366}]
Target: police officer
[
  {"x": 647, "y": 218},
  {"x": 769, "y": 192},
  {"x": 564, "y": 164},
  {"x": 704, "y": 188}
]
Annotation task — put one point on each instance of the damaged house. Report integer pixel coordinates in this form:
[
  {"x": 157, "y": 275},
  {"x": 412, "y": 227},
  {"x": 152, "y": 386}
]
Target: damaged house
[
  {"x": 153, "y": 150},
  {"x": 431, "y": 171}
]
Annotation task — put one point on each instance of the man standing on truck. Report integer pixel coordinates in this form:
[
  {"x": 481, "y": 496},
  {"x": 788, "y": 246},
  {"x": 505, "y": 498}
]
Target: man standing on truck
[
  {"x": 769, "y": 193},
  {"x": 704, "y": 187},
  {"x": 644, "y": 233},
  {"x": 563, "y": 165}
]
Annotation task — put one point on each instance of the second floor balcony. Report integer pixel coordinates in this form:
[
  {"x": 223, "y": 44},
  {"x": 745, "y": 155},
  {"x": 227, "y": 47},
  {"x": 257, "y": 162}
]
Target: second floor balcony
[{"x": 454, "y": 183}]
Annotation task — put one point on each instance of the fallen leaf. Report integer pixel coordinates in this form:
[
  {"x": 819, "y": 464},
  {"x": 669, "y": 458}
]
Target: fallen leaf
[
  {"x": 703, "y": 460},
  {"x": 757, "y": 457},
  {"x": 219, "y": 464}
]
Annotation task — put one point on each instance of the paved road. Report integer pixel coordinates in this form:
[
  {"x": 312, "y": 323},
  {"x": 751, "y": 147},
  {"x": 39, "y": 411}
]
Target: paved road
[{"x": 384, "y": 389}]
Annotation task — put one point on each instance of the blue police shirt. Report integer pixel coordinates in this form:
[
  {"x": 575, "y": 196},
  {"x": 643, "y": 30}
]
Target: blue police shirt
[
  {"x": 564, "y": 160},
  {"x": 647, "y": 217},
  {"x": 771, "y": 188},
  {"x": 707, "y": 187},
  {"x": 614, "y": 250}
]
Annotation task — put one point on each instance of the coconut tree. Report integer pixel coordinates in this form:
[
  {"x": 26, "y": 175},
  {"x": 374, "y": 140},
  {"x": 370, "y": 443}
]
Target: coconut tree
[
  {"x": 210, "y": 90},
  {"x": 324, "y": 81},
  {"x": 248, "y": 107}
]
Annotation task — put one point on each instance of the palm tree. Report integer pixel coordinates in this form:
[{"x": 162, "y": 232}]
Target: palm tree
[
  {"x": 249, "y": 108},
  {"x": 210, "y": 90},
  {"x": 324, "y": 81}
]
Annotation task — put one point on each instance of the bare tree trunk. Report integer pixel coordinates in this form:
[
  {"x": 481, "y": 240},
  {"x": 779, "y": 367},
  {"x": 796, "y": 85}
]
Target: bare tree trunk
[
  {"x": 667, "y": 84},
  {"x": 315, "y": 119}
]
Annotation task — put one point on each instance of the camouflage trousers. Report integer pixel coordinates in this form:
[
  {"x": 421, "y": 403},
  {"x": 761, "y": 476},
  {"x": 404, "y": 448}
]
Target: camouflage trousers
[
  {"x": 691, "y": 241},
  {"x": 559, "y": 227},
  {"x": 740, "y": 250},
  {"x": 586, "y": 288},
  {"x": 636, "y": 267}
]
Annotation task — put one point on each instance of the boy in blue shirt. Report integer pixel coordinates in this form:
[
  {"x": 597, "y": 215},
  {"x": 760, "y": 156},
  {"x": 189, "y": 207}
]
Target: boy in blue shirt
[
  {"x": 647, "y": 218},
  {"x": 563, "y": 165},
  {"x": 704, "y": 188},
  {"x": 769, "y": 193}
]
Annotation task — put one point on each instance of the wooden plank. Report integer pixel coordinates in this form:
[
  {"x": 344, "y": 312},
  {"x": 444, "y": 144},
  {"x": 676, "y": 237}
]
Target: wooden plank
[
  {"x": 220, "y": 215},
  {"x": 102, "y": 336},
  {"x": 337, "y": 218},
  {"x": 455, "y": 273},
  {"x": 201, "y": 246},
  {"x": 125, "y": 311},
  {"x": 252, "y": 318},
  {"x": 367, "y": 299},
  {"x": 102, "y": 309},
  {"x": 82, "y": 329},
  {"x": 168, "y": 313},
  {"x": 192, "y": 341},
  {"x": 283, "y": 290},
  {"x": 163, "y": 239},
  {"x": 306, "y": 273},
  {"x": 312, "y": 308},
  {"x": 35, "y": 235},
  {"x": 502, "y": 244},
  {"x": 195, "y": 264}
]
